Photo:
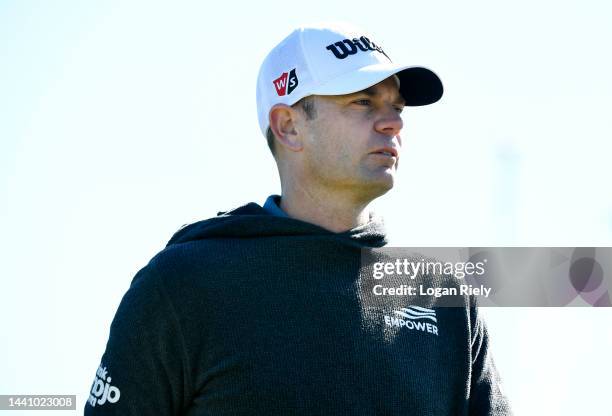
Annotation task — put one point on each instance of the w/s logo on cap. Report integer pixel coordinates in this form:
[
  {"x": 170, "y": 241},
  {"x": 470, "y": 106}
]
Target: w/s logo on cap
[{"x": 286, "y": 83}]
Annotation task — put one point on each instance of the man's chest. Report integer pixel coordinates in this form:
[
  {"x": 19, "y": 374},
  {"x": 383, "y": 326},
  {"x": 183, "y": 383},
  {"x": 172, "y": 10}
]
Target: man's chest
[{"x": 304, "y": 348}]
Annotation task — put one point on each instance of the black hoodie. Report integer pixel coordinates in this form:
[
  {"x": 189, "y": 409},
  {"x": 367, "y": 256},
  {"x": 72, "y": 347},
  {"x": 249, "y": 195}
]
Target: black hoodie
[{"x": 249, "y": 313}]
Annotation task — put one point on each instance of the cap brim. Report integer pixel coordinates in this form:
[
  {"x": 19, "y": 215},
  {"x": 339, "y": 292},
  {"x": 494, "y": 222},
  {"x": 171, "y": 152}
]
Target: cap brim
[{"x": 418, "y": 85}]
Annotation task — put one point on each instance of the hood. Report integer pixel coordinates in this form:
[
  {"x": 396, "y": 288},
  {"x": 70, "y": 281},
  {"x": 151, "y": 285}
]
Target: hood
[{"x": 252, "y": 221}]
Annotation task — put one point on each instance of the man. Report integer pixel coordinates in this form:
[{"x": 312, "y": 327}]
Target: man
[{"x": 261, "y": 310}]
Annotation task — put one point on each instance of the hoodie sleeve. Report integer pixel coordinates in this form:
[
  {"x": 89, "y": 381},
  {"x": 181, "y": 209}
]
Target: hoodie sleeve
[
  {"x": 144, "y": 367},
  {"x": 486, "y": 396}
]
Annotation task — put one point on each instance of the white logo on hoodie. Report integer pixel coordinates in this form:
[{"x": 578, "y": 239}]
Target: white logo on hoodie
[
  {"x": 416, "y": 318},
  {"x": 101, "y": 390}
]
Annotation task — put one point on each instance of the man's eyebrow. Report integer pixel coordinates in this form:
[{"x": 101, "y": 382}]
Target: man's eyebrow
[{"x": 373, "y": 92}]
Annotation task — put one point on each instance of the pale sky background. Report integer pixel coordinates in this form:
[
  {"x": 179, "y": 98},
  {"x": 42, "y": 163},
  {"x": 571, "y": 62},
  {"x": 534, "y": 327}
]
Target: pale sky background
[{"x": 121, "y": 121}]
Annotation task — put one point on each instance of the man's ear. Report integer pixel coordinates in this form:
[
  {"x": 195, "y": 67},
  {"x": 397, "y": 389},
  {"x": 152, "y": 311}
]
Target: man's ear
[{"x": 283, "y": 124}]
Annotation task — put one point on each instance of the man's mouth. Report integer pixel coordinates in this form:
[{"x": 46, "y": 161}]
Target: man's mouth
[{"x": 386, "y": 151}]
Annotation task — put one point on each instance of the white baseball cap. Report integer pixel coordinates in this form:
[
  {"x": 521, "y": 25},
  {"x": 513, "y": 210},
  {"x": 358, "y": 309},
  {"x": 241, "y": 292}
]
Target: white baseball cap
[{"x": 334, "y": 59}]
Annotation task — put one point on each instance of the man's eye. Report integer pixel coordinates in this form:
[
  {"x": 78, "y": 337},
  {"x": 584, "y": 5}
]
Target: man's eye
[
  {"x": 399, "y": 109},
  {"x": 363, "y": 102}
]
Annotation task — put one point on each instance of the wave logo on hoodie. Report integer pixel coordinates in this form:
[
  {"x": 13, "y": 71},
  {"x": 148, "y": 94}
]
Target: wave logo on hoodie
[
  {"x": 414, "y": 318},
  {"x": 101, "y": 390}
]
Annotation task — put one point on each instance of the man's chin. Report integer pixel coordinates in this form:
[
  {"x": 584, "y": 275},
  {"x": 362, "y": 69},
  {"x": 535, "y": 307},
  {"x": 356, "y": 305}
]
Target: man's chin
[
  {"x": 380, "y": 185},
  {"x": 386, "y": 178}
]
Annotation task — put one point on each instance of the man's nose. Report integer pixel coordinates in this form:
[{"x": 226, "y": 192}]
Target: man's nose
[{"x": 389, "y": 123}]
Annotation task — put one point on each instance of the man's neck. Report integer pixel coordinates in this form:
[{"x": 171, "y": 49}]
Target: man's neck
[{"x": 327, "y": 211}]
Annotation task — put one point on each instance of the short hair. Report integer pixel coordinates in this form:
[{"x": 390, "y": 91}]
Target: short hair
[{"x": 307, "y": 105}]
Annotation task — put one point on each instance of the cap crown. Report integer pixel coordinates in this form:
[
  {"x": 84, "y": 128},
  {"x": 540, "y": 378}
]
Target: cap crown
[{"x": 308, "y": 59}]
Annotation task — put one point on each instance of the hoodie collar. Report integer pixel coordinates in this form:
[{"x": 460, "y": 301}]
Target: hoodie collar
[{"x": 253, "y": 221}]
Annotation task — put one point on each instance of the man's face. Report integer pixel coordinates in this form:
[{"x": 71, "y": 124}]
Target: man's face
[{"x": 353, "y": 143}]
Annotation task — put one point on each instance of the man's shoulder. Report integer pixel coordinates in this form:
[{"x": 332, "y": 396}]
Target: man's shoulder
[
  {"x": 188, "y": 257},
  {"x": 221, "y": 225}
]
